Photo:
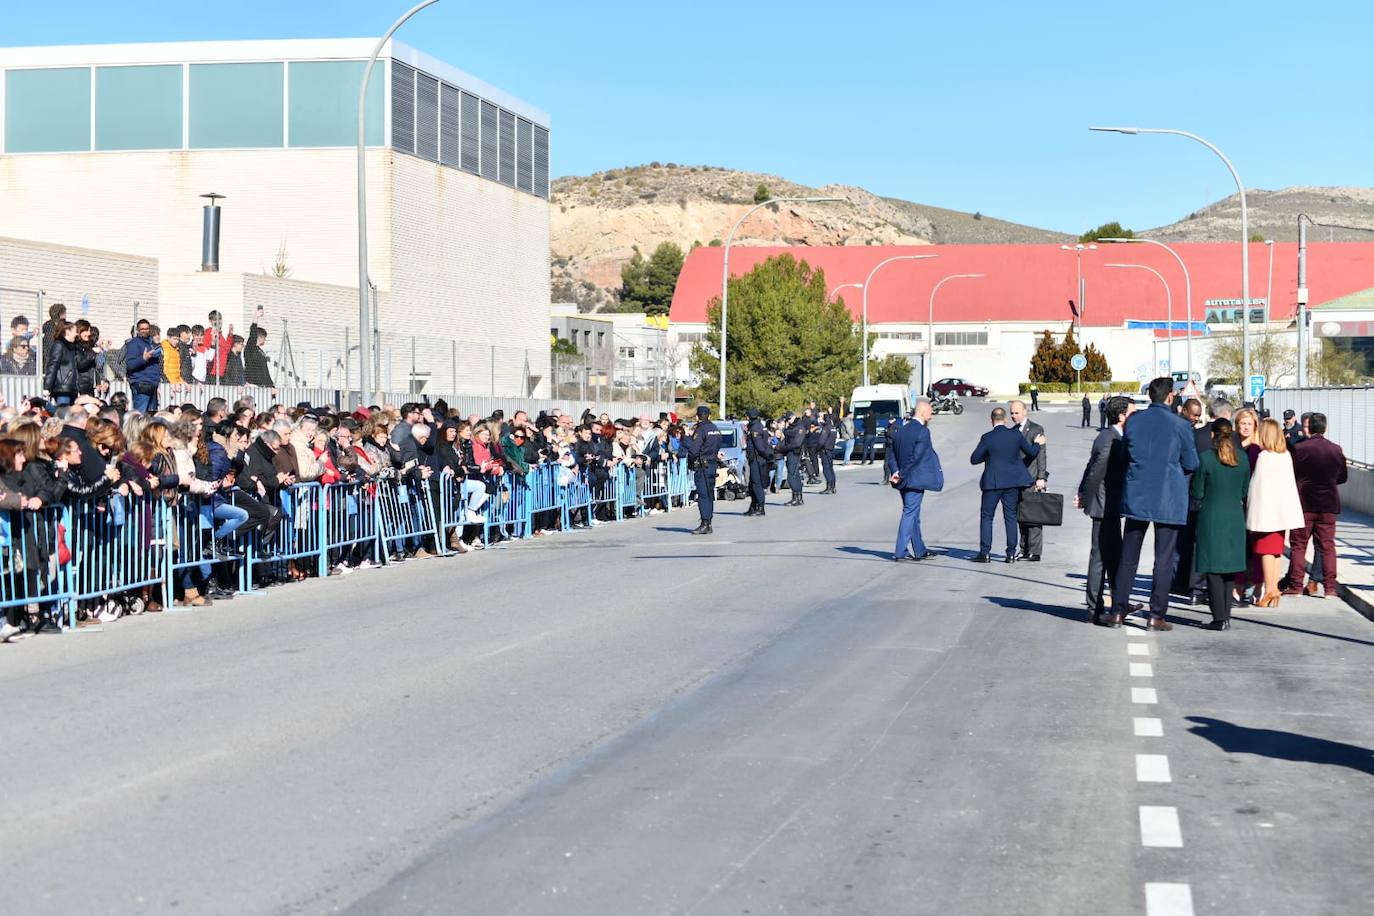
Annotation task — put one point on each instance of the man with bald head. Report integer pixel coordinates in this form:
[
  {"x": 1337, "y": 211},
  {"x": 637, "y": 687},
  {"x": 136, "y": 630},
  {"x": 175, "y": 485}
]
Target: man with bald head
[{"x": 1037, "y": 463}]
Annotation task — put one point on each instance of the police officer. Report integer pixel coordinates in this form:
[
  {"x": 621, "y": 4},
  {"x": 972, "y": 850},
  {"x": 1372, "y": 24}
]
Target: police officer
[
  {"x": 703, "y": 454},
  {"x": 826, "y": 452},
  {"x": 811, "y": 445},
  {"x": 793, "y": 442},
  {"x": 759, "y": 450}
]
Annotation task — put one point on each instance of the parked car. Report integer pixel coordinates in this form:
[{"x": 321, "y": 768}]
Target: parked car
[{"x": 957, "y": 386}]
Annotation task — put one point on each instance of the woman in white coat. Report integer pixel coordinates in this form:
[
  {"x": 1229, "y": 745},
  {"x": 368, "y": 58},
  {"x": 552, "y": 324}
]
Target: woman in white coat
[{"x": 1273, "y": 508}]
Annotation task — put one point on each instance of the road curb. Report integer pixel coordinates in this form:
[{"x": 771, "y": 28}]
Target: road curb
[{"x": 1362, "y": 605}]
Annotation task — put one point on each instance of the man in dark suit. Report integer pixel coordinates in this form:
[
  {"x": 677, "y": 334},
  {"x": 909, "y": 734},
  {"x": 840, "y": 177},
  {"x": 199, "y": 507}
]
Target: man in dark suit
[
  {"x": 1160, "y": 454},
  {"x": 1037, "y": 464},
  {"x": 1001, "y": 451},
  {"x": 1320, "y": 468},
  {"x": 1099, "y": 496},
  {"x": 913, "y": 468}
]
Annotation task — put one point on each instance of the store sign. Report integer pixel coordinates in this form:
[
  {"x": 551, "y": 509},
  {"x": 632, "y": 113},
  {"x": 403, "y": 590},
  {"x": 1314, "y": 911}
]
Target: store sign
[{"x": 1228, "y": 311}]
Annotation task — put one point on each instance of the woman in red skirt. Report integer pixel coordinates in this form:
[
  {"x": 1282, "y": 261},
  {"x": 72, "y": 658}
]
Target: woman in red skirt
[{"x": 1273, "y": 507}]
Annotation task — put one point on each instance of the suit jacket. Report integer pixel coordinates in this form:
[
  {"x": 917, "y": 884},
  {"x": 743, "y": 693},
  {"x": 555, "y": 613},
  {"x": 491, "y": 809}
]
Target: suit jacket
[
  {"x": 911, "y": 456},
  {"x": 1100, "y": 489},
  {"x": 1160, "y": 452},
  {"x": 1003, "y": 452},
  {"x": 1036, "y": 462},
  {"x": 1319, "y": 465},
  {"x": 1202, "y": 439}
]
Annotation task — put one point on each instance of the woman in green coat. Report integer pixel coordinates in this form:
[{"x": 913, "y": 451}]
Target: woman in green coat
[{"x": 1219, "y": 487}]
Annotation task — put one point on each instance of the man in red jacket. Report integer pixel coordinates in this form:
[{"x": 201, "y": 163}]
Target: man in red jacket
[
  {"x": 1320, "y": 468},
  {"x": 221, "y": 343}
]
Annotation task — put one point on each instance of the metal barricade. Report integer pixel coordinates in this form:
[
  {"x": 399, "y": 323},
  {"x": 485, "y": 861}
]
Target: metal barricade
[
  {"x": 575, "y": 494},
  {"x": 349, "y": 520},
  {"x": 544, "y": 495},
  {"x": 405, "y": 515},
  {"x": 680, "y": 483},
  {"x": 506, "y": 509},
  {"x": 117, "y": 544},
  {"x": 29, "y": 552}
]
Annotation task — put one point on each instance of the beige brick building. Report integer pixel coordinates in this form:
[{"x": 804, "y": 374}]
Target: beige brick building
[{"x": 108, "y": 148}]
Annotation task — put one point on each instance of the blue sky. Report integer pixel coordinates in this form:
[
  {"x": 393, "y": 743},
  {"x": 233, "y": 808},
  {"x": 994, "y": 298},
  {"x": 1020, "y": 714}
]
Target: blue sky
[{"x": 973, "y": 106}]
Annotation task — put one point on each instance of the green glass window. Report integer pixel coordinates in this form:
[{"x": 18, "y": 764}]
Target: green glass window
[
  {"x": 324, "y": 102},
  {"x": 138, "y": 107},
  {"x": 48, "y": 111},
  {"x": 236, "y": 106}
]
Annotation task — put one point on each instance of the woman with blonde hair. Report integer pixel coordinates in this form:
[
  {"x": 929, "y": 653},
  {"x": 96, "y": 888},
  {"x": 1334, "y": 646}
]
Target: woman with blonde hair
[
  {"x": 1247, "y": 427},
  {"x": 1273, "y": 507}
]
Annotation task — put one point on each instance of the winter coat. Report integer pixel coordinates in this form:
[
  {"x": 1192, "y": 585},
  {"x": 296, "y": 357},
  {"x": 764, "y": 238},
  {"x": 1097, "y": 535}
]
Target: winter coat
[
  {"x": 1220, "y": 491},
  {"x": 1273, "y": 504},
  {"x": 1320, "y": 468},
  {"x": 60, "y": 377},
  {"x": 143, "y": 362},
  {"x": 1159, "y": 452},
  {"x": 171, "y": 362}
]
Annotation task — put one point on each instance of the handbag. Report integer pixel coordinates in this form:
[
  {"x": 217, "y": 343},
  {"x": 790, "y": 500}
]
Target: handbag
[{"x": 1040, "y": 507}]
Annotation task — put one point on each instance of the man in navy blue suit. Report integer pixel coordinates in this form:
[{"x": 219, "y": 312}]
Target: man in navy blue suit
[
  {"x": 1004, "y": 476},
  {"x": 912, "y": 469}
]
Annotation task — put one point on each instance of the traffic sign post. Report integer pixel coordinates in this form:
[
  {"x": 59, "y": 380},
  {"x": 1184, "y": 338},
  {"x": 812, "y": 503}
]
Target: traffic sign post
[
  {"x": 1079, "y": 363},
  {"x": 1256, "y": 387}
]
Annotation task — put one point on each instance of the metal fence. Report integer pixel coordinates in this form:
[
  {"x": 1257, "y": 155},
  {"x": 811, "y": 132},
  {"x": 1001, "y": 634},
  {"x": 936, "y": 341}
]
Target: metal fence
[
  {"x": 1349, "y": 415},
  {"x": 60, "y": 559}
]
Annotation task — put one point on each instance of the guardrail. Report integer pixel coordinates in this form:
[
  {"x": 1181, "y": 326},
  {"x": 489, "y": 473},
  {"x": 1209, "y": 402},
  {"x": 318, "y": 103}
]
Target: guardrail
[
  {"x": 1349, "y": 415},
  {"x": 60, "y": 560}
]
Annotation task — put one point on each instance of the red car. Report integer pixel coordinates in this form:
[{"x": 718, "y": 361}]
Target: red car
[{"x": 959, "y": 387}]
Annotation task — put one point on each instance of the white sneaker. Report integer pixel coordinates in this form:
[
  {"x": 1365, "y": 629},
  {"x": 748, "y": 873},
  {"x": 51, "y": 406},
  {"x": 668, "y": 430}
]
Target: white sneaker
[
  {"x": 365, "y": 564},
  {"x": 474, "y": 518},
  {"x": 8, "y": 631},
  {"x": 343, "y": 569},
  {"x": 109, "y": 615},
  {"x": 655, "y": 511}
]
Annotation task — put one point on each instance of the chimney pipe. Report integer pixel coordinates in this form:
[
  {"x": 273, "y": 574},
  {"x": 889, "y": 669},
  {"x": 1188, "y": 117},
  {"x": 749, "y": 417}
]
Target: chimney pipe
[{"x": 209, "y": 234}]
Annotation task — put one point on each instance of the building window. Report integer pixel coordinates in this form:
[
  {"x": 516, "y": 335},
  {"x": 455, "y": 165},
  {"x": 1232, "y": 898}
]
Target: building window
[
  {"x": 236, "y": 106},
  {"x": 323, "y": 109},
  {"x": 627, "y": 352},
  {"x": 524, "y": 156},
  {"x": 900, "y": 335},
  {"x": 427, "y": 117},
  {"x": 541, "y": 162},
  {"x": 491, "y": 116},
  {"x": 402, "y": 107},
  {"x": 961, "y": 338},
  {"x": 507, "y": 148},
  {"x": 138, "y": 107},
  {"x": 48, "y": 111},
  {"x": 471, "y": 134},
  {"x": 600, "y": 339}
]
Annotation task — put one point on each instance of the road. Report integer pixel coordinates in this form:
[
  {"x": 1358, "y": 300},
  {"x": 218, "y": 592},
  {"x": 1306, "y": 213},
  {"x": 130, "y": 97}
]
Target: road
[{"x": 632, "y": 720}]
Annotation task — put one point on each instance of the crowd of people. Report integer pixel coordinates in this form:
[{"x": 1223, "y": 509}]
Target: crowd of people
[
  {"x": 233, "y": 464},
  {"x": 77, "y": 360},
  {"x": 1225, "y": 498}
]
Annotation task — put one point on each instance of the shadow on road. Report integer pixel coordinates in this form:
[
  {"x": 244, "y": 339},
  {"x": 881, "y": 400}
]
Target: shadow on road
[
  {"x": 1050, "y": 610},
  {"x": 866, "y": 552},
  {"x": 1264, "y": 742},
  {"x": 1280, "y": 626}
]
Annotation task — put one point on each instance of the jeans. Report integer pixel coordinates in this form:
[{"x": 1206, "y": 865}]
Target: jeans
[
  {"x": 474, "y": 495},
  {"x": 848, "y": 446},
  {"x": 145, "y": 402},
  {"x": 231, "y": 518},
  {"x": 869, "y": 450},
  {"x": 62, "y": 400}
]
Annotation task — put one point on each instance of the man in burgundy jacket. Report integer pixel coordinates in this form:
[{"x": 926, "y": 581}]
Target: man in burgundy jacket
[{"x": 1319, "y": 465}]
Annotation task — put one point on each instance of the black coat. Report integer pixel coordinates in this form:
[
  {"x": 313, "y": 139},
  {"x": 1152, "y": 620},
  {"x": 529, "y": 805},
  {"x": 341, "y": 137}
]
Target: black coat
[
  {"x": 256, "y": 371},
  {"x": 259, "y": 467},
  {"x": 60, "y": 377}
]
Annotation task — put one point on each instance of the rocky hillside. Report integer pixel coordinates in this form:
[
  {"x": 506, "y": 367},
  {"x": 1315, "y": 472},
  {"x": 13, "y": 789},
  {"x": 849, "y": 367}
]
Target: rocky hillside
[
  {"x": 598, "y": 219},
  {"x": 1274, "y": 215}
]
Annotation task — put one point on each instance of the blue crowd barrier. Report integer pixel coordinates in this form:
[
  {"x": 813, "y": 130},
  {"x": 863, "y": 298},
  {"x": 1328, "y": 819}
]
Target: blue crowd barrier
[{"x": 122, "y": 543}]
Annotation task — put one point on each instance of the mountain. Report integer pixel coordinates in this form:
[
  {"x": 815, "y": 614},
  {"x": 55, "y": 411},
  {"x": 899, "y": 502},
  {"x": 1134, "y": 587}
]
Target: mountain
[
  {"x": 1274, "y": 215},
  {"x": 598, "y": 220}
]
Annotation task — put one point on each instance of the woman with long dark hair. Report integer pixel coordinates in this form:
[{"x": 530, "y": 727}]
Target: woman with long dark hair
[{"x": 1219, "y": 487}]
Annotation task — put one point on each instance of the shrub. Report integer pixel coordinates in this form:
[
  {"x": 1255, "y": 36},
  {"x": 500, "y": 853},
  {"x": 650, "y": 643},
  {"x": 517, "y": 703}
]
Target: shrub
[{"x": 1089, "y": 387}]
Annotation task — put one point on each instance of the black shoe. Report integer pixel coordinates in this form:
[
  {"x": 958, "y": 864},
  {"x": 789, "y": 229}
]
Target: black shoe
[
  {"x": 1110, "y": 621},
  {"x": 219, "y": 594},
  {"x": 1009, "y": 559},
  {"x": 928, "y": 555},
  {"x": 982, "y": 558},
  {"x": 703, "y": 528},
  {"x": 1216, "y": 625}
]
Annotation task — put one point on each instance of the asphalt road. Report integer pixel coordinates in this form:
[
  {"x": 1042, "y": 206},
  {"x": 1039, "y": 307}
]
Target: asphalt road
[{"x": 632, "y": 720}]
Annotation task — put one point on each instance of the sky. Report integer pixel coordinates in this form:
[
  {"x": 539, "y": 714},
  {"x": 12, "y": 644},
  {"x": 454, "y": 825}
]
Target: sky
[{"x": 967, "y": 105}]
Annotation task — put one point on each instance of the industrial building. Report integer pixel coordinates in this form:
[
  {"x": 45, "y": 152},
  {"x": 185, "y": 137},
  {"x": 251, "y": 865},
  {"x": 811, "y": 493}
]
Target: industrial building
[
  {"x": 976, "y": 311},
  {"x": 107, "y": 150}
]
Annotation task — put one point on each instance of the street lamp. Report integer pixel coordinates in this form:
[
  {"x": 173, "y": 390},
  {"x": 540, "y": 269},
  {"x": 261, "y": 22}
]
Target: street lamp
[
  {"x": 1269, "y": 295},
  {"x": 843, "y": 286},
  {"x": 364, "y": 335},
  {"x": 930, "y": 321},
  {"x": 1079, "y": 249},
  {"x": 1187, "y": 302},
  {"x": 725, "y": 273},
  {"x": 869, "y": 282},
  {"x": 1168, "y": 299},
  {"x": 1244, "y": 235}
]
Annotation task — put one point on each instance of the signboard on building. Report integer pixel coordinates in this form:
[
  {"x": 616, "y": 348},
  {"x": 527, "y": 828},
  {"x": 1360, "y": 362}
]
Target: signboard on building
[{"x": 1228, "y": 311}]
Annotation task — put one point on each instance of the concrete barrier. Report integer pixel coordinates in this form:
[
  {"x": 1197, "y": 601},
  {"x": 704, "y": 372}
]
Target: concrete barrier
[{"x": 1358, "y": 492}]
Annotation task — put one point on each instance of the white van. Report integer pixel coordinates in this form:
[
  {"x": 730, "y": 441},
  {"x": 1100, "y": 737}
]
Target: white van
[{"x": 875, "y": 406}]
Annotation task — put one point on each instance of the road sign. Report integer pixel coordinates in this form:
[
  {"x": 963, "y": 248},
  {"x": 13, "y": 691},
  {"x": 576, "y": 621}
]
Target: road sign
[
  {"x": 1079, "y": 362},
  {"x": 1189, "y": 390},
  {"x": 1256, "y": 387}
]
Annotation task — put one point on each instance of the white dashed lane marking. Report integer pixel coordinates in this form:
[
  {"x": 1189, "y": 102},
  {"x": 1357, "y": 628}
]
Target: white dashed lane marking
[
  {"x": 1144, "y": 695},
  {"x": 1152, "y": 768},
  {"x": 1142, "y": 669},
  {"x": 1159, "y": 827},
  {"x": 1137, "y": 648},
  {"x": 1168, "y": 900},
  {"x": 1147, "y": 727}
]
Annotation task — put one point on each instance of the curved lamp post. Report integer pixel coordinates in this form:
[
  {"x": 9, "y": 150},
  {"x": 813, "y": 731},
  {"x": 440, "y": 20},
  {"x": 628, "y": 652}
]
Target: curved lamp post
[
  {"x": 725, "y": 273},
  {"x": 869, "y": 282},
  {"x": 1187, "y": 302},
  {"x": 844, "y": 286},
  {"x": 930, "y": 320},
  {"x": 365, "y": 330},
  {"x": 1168, "y": 296},
  {"x": 1244, "y": 235}
]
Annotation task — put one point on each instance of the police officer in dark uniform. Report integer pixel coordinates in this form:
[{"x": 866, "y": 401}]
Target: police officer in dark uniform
[
  {"x": 826, "y": 452},
  {"x": 759, "y": 451},
  {"x": 703, "y": 454},
  {"x": 793, "y": 439},
  {"x": 811, "y": 445}
]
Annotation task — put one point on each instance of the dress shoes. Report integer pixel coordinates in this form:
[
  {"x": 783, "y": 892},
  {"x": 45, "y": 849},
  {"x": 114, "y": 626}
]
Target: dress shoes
[
  {"x": 1312, "y": 588},
  {"x": 928, "y": 555},
  {"x": 1111, "y": 621},
  {"x": 1009, "y": 559},
  {"x": 703, "y": 528},
  {"x": 982, "y": 558},
  {"x": 1216, "y": 625},
  {"x": 1029, "y": 557},
  {"x": 1160, "y": 624}
]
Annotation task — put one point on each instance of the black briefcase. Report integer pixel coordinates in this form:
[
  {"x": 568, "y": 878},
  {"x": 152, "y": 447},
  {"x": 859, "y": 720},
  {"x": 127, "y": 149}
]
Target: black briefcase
[{"x": 1040, "y": 507}]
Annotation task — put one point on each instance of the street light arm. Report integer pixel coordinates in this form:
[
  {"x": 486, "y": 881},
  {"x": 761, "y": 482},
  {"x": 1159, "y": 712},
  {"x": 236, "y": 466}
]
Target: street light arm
[
  {"x": 869, "y": 282},
  {"x": 365, "y": 335},
  {"x": 1187, "y": 297}
]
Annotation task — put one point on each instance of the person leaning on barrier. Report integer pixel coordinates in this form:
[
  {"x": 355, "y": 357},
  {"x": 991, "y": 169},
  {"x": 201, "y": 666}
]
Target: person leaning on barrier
[{"x": 28, "y": 551}]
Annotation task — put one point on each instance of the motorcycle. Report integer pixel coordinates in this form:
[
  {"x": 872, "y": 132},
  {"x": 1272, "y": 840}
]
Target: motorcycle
[{"x": 943, "y": 403}]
